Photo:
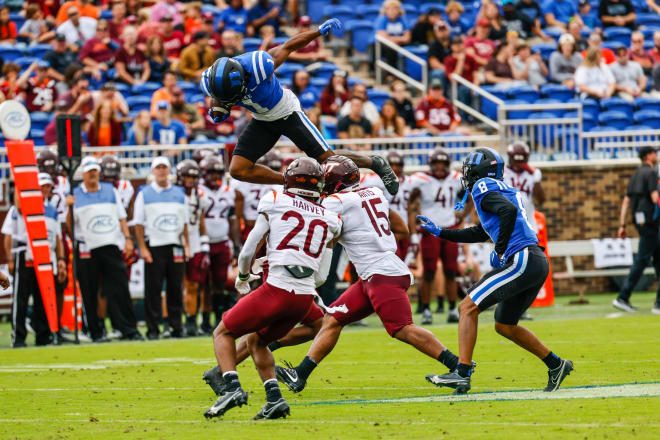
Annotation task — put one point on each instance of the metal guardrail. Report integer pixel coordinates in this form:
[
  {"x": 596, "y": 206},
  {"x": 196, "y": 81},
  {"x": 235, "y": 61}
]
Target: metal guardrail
[
  {"x": 381, "y": 65},
  {"x": 457, "y": 80}
]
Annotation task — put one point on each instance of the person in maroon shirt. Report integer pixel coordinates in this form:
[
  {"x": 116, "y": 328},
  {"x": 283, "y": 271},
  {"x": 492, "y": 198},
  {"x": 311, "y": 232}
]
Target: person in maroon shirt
[
  {"x": 462, "y": 64},
  {"x": 173, "y": 40},
  {"x": 637, "y": 52},
  {"x": 40, "y": 92},
  {"x": 215, "y": 39},
  {"x": 313, "y": 51},
  {"x": 116, "y": 25},
  {"x": 131, "y": 64},
  {"x": 655, "y": 50},
  {"x": 334, "y": 94},
  {"x": 98, "y": 53},
  {"x": 479, "y": 46}
]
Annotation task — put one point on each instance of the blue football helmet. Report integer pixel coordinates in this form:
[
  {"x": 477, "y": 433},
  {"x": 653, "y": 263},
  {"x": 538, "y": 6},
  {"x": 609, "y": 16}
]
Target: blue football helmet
[
  {"x": 225, "y": 81},
  {"x": 482, "y": 162}
]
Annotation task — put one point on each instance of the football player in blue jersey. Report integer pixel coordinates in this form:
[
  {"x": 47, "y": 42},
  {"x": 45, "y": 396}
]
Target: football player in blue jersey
[
  {"x": 249, "y": 81},
  {"x": 520, "y": 269}
]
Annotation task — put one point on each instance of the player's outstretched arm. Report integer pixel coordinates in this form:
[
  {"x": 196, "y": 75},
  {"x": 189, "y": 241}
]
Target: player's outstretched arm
[
  {"x": 475, "y": 234},
  {"x": 281, "y": 53}
]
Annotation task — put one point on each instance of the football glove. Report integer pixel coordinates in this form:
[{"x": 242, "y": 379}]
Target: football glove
[
  {"x": 243, "y": 286},
  {"x": 259, "y": 264},
  {"x": 429, "y": 226},
  {"x": 495, "y": 261},
  {"x": 328, "y": 25},
  {"x": 224, "y": 114}
]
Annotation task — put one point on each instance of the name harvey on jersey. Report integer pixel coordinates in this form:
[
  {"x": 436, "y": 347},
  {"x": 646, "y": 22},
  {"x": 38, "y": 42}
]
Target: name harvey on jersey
[{"x": 314, "y": 209}]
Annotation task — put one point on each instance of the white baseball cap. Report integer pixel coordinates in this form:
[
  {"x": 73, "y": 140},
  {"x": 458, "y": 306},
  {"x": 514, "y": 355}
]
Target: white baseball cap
[
  {"x": 45, "y": 179},
  {"x": 160, "y": 160},
  {"x": 566, "y": 38},
  {"x": 90, "y": 163}
]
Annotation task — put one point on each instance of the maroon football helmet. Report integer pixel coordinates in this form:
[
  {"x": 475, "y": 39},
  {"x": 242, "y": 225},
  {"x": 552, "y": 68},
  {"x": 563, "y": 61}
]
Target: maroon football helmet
[
  {"x": 110, "y": 169},
  {"x": 395, "y": 159},
  {"x": 200, "y": 154},
  {"x": 187, "y": 168},
  {"x": 340, "y": 173},
  {"x": 272, "y": 160},
  {"x": 439, "y": 163},
  {"x": 210, "y": 166},
  {"x": 518, "y": 153},
  {"x": 304, "y": 177},
  {"x": 48, "y": 162}
]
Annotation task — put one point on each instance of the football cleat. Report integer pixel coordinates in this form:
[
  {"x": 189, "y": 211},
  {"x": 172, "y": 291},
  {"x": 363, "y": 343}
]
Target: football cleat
[
  {"x": 273, "y": 410},
  {"x": 427, "y": 317},
  {"x": 624, "y": 305},
  {"x": 289, "y": 377},
  {"x": 213, "y": 378},
  {"x": 227, "y": 401},
  {"x": 452, "y": 380},
  {"x": 380, "y": 166},
  {"x": 556, "y": 376},
  {"x": 452, "y": 316}
]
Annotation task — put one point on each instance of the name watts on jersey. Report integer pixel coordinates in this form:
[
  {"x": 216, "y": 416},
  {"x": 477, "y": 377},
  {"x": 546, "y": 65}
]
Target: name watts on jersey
[
  {"x": 366, "y": 193},
  {"x": 314, "y": 209}
]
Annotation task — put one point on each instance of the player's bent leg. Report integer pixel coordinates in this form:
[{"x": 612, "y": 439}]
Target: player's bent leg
[
  {"x": 243, "y": 169},
  {"x": 275, "y": 407},
  {"x": 467, "y": 329},
  {"x": 422, "y": 339}
]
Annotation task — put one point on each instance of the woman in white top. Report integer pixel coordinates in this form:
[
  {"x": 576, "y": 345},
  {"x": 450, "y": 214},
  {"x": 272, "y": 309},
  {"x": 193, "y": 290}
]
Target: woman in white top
[{"x": 593, "y": 79}]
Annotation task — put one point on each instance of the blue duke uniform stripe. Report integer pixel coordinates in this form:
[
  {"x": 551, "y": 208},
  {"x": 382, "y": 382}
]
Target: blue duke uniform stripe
[{"x": 490, "y": 285}]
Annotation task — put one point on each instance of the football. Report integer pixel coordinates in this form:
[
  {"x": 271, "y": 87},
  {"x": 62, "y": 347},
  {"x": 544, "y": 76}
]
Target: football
[{"x": 218, "y": 109}]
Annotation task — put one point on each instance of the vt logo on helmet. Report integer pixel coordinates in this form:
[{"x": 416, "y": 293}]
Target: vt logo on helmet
[
  {"x": 225, "y": 81},
  {"x": 482, "y": 162}
]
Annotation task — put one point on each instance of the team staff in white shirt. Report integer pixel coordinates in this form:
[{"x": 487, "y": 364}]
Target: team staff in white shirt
[
  {"x": 160, "y": 214},
  {"x": 100, "y": 223}
]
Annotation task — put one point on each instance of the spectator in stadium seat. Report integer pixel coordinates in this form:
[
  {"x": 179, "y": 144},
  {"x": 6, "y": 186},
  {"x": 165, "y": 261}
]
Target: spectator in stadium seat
[
  {"x": 215, "y": 39},
  {"x": 462, "y": 64},
  {"x": 512, "y": 39},
  {"x": 654, "y": 52},
  {"x": 588, "y": 17},
  {"x": 193, "y": 17},
  {"x": 595, "y": 41},
  {"x": 391, "y": 124},
  {"x": 40, "y": 92},
  {"x": 9, "y": 86},
  {"x": 439, "y": 49},
  {"x": 230, "y": 45},
  {"x": 565, "y": 61},
  {"x": 167, "y": 8},
  {"x": 491, "y": 12},
  {"x": 479, "y": 46},
  {"x": 108, "y": 93},
  {"x": 500, "y": 70},
  {"x": 617, "y": 13},
  {"x": 514, "y": 20},
  {"x": 404, "y": 107},
  {"x": 628, "y": 75},
  {"x": 142, "y": 130},
  {"x": 118, "y": 21},
  {"x": 133, "y": 7},
  {"x": 300, "y": 85},
  {"x": 263, "y": 13},
  {"x": 85, "y": 7},
  {"x": 173, "y": 40},
  {"x": 392, "y": 26},
  {"x": 594, "y": 79},
  {"x": 35, "y": 29},
  {"x": 434, "y": 113},
  {"x": 532, "y": 10},
  {"x": 653, "y": 6},
  {"x": 98, "y": 53},
  {"x": 424, "y": 30},
  {"x": 79, "y": 98},
  {"x": 235, "y": 17},
  {"x": 131, "y": 64},
  {"x": 354, "y": 125},
  {"x": 267, "y": 35},
  {"x": 369, "y": 109},
  {"x": 186, "y": 113},
  {"x": 166, "y": 130},
  {"x": 575, "y": 29},
  {"x": 531, "y": 66},
  {"x": 158, "y": 62},
  {"x": 314, "y": 51},
  {"x": 454, "y": 10},
  {"x": 335, "y": 94},
  {"x": 196, "y": 57},
  {"x": 146, "y": 29},
  {"x": 77, "y": 30},
  {"x": 165, "y": 92},
  {"x": 558, "y": 13},
  {"x": 104, "y": 130},
  {"x": 638, "y": 54}
]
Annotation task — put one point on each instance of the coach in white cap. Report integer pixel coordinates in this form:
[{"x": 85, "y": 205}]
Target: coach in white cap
[
  {"x": 100, "y": 222},
  {"x": 160, "y": 215}
]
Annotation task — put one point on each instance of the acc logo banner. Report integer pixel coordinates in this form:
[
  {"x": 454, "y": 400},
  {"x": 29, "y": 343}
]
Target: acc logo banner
[
  {"x": 167, "y": 223},
  {"x": 101, "y": 224}
]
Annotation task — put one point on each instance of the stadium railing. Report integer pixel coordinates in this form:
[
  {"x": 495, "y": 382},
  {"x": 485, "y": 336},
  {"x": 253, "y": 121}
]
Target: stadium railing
[{"x": 407, "y": 57}]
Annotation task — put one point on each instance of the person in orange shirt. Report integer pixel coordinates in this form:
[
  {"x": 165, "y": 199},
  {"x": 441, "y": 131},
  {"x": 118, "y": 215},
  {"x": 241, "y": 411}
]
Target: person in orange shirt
[
  {"x": 594, "y": 41},
  {"x": 193, "y": 18},
  {"x": 164, "y": 93},
  {"x": 86, "y": 8},
  {"x": 105, "y": 130}
]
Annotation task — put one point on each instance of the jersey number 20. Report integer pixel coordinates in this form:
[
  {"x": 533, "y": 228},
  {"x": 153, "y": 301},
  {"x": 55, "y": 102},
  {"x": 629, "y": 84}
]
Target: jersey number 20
[{"x": 285, "y": 243}]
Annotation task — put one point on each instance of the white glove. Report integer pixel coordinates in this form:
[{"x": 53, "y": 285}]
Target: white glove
[
  {"x": 537, "y": 176},
  {"x": 243, "y": 286}
]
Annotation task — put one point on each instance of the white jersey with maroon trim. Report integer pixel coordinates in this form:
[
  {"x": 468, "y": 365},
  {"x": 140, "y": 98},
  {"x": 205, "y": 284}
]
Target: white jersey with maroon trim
[
  {"x": 524, "y": 182},
  {"x": 61, "y": 189},
  {"x": 219, "y": 208},
  {"x": 438, "y": 196},
  {"x": 398, "y": 201},
  {"x": 299, "y": 231},
  {"x": 367, "y": 235},
  {"x": 196, "y": 202},
  {"x": 126, "y": 191},
  {"x": 252, "y": 194}
]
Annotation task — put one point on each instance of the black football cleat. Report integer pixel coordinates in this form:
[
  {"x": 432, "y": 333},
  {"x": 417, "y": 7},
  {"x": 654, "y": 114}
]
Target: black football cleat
[
  {"x": 273, "y": 410},
  {"x": 380, "y": 166},
  {"x": 213, "y": 378},
  {"x": 557, "y": 376},
  {"x": 452, "y": 380},
  {"x": 227, "y": 401},
  {"x": 289, "y": 377}
]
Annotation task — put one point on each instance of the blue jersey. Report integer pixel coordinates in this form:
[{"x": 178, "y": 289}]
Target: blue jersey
[{"x": 523, "y": 233}]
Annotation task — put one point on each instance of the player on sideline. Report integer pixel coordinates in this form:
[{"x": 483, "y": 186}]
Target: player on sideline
[
  {"x": 298, "y": 230},
  {"x": 368, "y": 237},
  {"x": 248, "y": 80},
  {"x": 520, "y": 269}
]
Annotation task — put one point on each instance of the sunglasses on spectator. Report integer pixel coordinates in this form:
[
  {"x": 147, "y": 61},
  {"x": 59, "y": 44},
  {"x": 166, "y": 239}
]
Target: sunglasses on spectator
[
  {"x": 101, "y": 29},
  {"x": 637, "y": 41}
]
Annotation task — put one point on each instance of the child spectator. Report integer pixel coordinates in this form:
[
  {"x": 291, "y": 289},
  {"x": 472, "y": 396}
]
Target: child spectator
[
  {"x": 9, "y": 86},
  {"x": 40, "y": 92},
  {"x": 558, "y": 13}
]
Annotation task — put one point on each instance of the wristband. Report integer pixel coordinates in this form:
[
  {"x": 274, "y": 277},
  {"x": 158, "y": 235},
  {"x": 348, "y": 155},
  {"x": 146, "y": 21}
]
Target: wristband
[
  {"x": 243, "y": 277},
  {"x": 205, "y": 248},
  {"x": 204, "y": 239}
]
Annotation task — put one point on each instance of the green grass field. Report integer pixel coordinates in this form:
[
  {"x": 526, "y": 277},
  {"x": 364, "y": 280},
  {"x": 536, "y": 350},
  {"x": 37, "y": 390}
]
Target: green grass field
[{"x": 371, "y": 386}]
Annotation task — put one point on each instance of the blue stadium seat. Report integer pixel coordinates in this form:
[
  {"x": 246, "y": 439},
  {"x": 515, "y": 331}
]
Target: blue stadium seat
[
  {"x": 251, "y": 44},
  {"x": 106, "y": 14},
  {"x": 640, "y": 6},
  {"x": 545, "y": 49},
  {"x": 352, "y": 80},
  {"x": 331, "y": 128},
  {"x": 617, "y": 104},
  {"x": 287, "y": 70},
  {"x": 553, "y": 32},
  {"x": 517, "y": 114},
  {"x": 648, "y": 117},
  {"x": 557, "y": 91},
  {"x": 647, "y": 104},
  {"x": 188, "y": 87},
  {"x": 588, "y": 120},
  {"x": 425, "y": 7},
  {"x": 24, "y": 62},
  {"x": 308, "y": 100},
  {"x": 378, "y": 97},
  {"x": 362, "y": 34},
  {"x": 638, "y": 127},
  {"x": 648, "y": 32},
  {"x": 649, "y": 20},
  {"x": 343, "y": 13},
  {"x": 412, "y": 68},
  {"x": 557, "y": 112},
  {"x": 613, "y": 45},
  {"x": 368, "y": 12},
  {"x": 315, "y": 9},
  {"x": 196, "y": 98},
  {"x": 488, "y": 107},
  {"x": 588, "y": 106},
  {"x": 613, "y": 118},
  {"x": 526, "y": 93},
  {"x": 605, "y": 139},
  {"x": 567, "y": 138},
  {"x": 18, "y": 19},
  {"x": 39, "y": 50},
  {"x": 36, "y": 133},
  {"x": 323, "y": 70},
  {"x": 286, "y": 82},
  {"x": 319, "y": 82},
  {"x": 124, "y": 89},
  {"x": 10, "y": 53},
  {"x": 139, "y": 102},
  {"x": 410, "y": 9},
  {"x": 146, "y": 88},
  {"x": 40, "y": 120},
  {"x": 648, "y": 44},
  {"x": 620, "y": 34},
  {"x": 545, "y": 134}
]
